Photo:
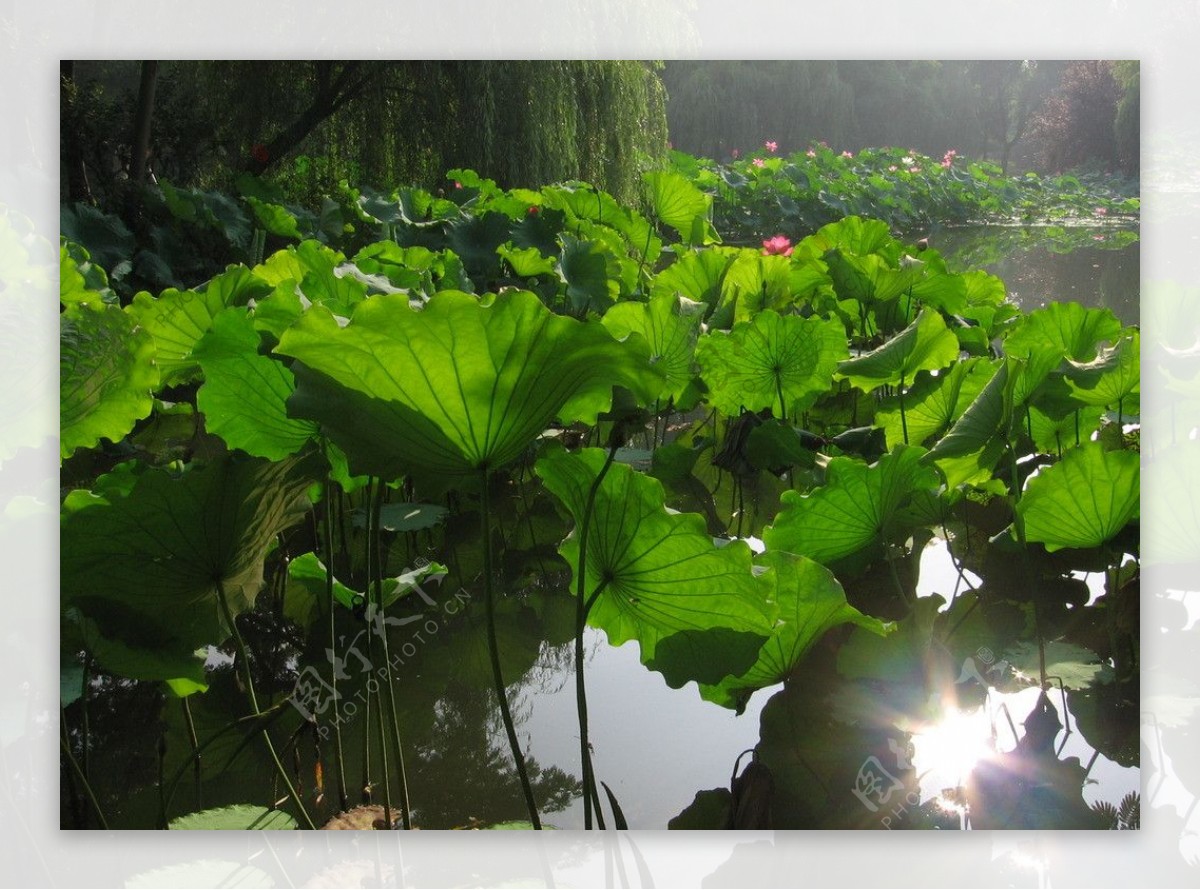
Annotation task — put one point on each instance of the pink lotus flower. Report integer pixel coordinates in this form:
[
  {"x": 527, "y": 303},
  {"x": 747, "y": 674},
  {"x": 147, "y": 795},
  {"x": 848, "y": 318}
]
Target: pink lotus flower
[
  {"x": 777, "y": 246},
  {"x": 458, "y": 185},
  {"x": 1097, "y": 237},
  {"x": 948, "y": 158},
  {"x": 771, "y": 146},
  {"x": 914, "y": 169},
  {"x": 759, "y": 162},
  {"x": 847, "y": 154},
  {"x": 737, "y": 153},
  {"x": 1101, "y": 211},
  {"x": 892, "y": 168},
  {"x": 811, "y": 153}
]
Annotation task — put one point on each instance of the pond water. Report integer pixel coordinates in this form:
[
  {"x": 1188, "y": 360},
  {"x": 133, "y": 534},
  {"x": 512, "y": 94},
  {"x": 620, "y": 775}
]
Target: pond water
[
  {"x": 897, "y": 742},
  {"x": 1097, "y": 266}
]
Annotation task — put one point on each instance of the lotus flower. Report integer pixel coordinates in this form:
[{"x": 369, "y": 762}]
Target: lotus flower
[
  {"x": 759, "y": 162},
  {"x": 771, "y": 146},
  {"x": 779, "y": 245}
]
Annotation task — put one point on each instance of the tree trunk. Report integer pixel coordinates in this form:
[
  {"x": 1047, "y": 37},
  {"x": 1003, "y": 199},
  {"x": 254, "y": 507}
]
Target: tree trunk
[
  {"x": 77, "y": 186},
  {"x": 139, "y": 162},
  {"x": 333, "y": 92}
]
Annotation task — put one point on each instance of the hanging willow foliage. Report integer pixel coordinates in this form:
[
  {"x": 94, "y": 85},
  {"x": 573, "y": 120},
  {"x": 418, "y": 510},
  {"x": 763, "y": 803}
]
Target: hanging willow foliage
[{"x": 518, "y": 122}]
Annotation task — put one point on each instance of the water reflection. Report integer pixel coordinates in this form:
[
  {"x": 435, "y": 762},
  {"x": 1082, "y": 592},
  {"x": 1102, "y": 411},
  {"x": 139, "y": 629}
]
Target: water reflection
[{"x": 1097, "y": 266}]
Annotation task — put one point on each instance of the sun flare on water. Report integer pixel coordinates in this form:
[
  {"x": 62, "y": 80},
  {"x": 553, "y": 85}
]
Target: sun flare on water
[{"x": 949, "y": 749}]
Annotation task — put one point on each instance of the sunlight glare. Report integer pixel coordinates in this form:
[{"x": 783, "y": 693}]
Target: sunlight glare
[{"x": 950, "y": 748}]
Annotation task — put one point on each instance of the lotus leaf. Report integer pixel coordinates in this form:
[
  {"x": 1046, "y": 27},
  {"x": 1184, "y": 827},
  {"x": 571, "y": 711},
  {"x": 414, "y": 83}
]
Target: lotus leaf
[
  {"x": 458, "y": 387},
  {"x": 854, "y": 509},
  {"x": 658, "y": 574},
  {"x": 1083, "y": 500},
  {"x": 773, "y": 356},
  {"x": 146, "y": 568}
]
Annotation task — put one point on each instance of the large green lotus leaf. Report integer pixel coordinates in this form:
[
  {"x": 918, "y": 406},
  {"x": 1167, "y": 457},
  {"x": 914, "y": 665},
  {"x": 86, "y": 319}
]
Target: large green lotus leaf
[
  {"x": 527, "y": 262},
  {"x": 1083, "y": 500},
  {"x": 753, "y": 282},
  {"x": 852, "y": 235},
  {"x": 662, "y": 573},
  {"x": 237, "y": 817},
  {"x": 79, "y": 279},
  {"x": 106, "y": 375},
  {"x": 1112, "y": 377},
  {"x": 178, "y": 319},
  {"x": 752, "y": 365},
  {"x": 580, "y": 202},
  {"x": 459, "y": 386},
  {"x": 475, "y": 239},
  {"x": 811, "y": 602},
  {"x": 925, "y": 345},
  {"x": 983, "y": 290},
  {"x": 870, "y": 278},
  {"x": 933, "y": 403},
  {"x": 942, "y": 291},
  {"x": 275, "y": 218},
  {"x": 697, "y": 275},
  {"x": 302, "y": 274},
  {"x": 584, "y": 269},
  {"x": 682, "y": 206},
  {"x": 145, "y": 567},
  {"x": 296, "y": 262},
  {"x": 244, "y": 396},
  {"x": 1054, "y": 435},
  {"x": 1073, "y": 665},
  {"x": 1044, "y": 337},
  {"x": 854, "y": 509},
  {"x": 180, "y": 669},
  {"x": 1070, "y": 329},
  {"x": 386, "y": 265},
  {"x": 670, "y": 332},
  {"x": 978, "y": 437}
]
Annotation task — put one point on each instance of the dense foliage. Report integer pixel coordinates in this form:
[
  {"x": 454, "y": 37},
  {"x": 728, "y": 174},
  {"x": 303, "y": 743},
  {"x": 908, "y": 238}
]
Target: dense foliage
[
  {"x": 307, "y": 125},
  {"x": 764, "y": 191},
  {"x": 733, "y": 456}
]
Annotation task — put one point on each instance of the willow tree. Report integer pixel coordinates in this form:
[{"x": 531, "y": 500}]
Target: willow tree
[{"x": 527, "y": 123}]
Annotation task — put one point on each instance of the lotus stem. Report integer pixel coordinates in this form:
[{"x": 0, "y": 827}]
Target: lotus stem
[
  {"x": 582, "y": 606},
  {"x": 373, "y": 571},
  {"x": 271, "y": 712},
  {"x": 87, "y": 786},
  {"x": 343, "y": 800},
  {"x": 397, "y": 745},
  {"x": 494, "y": 651},
  {"x": 903, "y": 416},
  {"x": 195, "y": 743},
  {"x": 1019, "y": 528},
  {"x": 247, "y": 675}
]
